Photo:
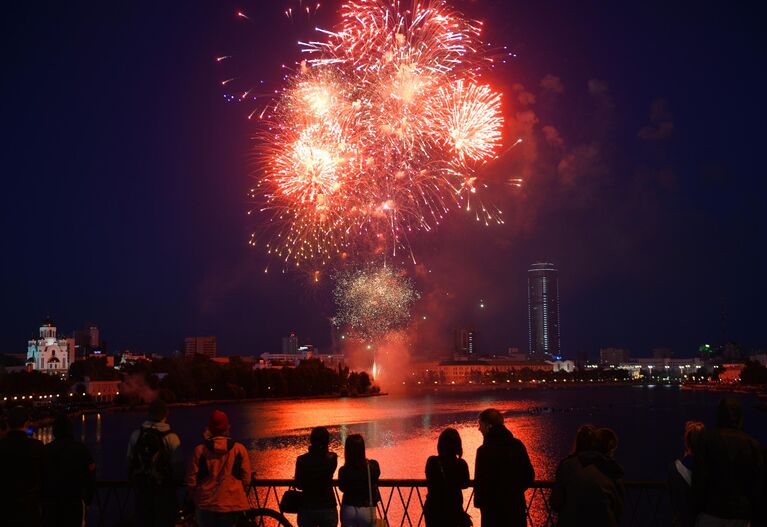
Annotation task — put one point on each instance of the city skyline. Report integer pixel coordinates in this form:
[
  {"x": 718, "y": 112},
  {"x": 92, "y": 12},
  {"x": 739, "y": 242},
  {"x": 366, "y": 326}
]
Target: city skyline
[{"x": 639, "y": 180}]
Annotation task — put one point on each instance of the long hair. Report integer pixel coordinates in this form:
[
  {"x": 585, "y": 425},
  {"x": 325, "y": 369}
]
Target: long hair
[
  {"x": 354, "y": 451},
  {"x": 449, "y": 443},
  {"x": 607, "y": 441},
  {"x": 585, "y": 439},
  {"x": 692, "y": 433}
]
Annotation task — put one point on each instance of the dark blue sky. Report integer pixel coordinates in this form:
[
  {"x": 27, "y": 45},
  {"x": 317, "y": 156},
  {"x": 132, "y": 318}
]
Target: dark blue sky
[{"x": 125, "y": 176}]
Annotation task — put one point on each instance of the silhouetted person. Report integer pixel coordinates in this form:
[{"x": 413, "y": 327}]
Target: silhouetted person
[
  {"x": 569, "y": 472},
  {"x": 502, "y": 474},
  {"x": 22, "y": 469},
  {"x": 218, "y": 475},
  {"x": 3, "y": 427},
  {"x": 70, "y": 478},
  {"x": 588, "y": 489},
  {"x": 314, "y": 476},
  {"x": 155, "y": 468},
  {"x": 727, "y": 482},
  {"x": 358, "y": 480},
  {"x": 761, "y": 513},
  {"x": 683, "y": 511},
  {"x": 447, "y": 474}
]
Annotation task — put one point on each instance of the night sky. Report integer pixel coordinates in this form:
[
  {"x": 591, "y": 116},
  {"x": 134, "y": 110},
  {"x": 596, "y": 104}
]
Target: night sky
[{"x": 125, "y": 178}]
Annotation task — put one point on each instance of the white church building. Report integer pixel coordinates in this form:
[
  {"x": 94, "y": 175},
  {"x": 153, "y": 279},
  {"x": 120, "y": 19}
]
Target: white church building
[{"x": 50, "y": 354}]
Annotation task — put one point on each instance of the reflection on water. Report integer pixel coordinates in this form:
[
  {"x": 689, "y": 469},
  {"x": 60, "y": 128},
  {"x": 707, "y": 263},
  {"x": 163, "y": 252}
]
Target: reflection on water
[{"x": 401, "y": 431}]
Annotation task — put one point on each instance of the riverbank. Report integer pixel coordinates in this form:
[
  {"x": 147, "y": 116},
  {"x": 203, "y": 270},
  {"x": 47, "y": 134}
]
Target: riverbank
[
  {"x": 107, "y": 408},
  {"x": 210, "y": 402},
  {"x": 760, "y": 391},
  {"x": 533, "y": 385}
]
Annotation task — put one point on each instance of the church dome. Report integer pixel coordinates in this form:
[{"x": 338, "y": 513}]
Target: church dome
[{"x": 49, "y": 322}]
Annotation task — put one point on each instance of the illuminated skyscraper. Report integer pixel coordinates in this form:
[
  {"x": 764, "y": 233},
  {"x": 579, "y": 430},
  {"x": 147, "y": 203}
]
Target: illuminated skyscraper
[
  {"x": 465, "y": 343},
  {"x": 543, "y": 311}
]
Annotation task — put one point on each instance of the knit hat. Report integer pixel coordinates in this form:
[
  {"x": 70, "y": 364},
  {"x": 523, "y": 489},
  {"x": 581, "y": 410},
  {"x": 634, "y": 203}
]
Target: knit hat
[{"x": 219, "y": 423}]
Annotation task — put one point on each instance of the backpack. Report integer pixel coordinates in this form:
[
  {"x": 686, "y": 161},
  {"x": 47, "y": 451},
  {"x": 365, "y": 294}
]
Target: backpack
[
  {"x": 150, "y": 460},
  {"x": 203, "y": 472}
]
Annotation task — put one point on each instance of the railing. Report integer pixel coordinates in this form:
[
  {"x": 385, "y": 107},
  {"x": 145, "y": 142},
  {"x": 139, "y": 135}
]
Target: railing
[{"x": 401, "y": 503}]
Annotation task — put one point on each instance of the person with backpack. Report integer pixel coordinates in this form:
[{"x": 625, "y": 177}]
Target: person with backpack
[
  {"x": 447, "y": 474},
  {"x": 154, "y": 469},
  {"x": 217, "y": 476}
]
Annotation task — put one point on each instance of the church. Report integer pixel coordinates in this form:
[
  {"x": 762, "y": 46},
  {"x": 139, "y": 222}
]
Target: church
[{"x": 50, "y": 354}]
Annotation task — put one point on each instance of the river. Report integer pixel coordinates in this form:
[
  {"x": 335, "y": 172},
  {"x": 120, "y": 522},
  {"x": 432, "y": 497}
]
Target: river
[{"x": 401, "y": 430}]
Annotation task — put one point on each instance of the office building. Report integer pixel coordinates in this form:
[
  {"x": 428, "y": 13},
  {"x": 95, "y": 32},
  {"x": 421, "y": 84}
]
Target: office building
[
  {"x": 613, "y": 356},
  {"x": 200, "y": 346},
  {"x": 290, "y": 344},
  {"x": 87, "y": 341},
  {"x": 465, "y": 343},
  {"x": 543, "y": 311}
]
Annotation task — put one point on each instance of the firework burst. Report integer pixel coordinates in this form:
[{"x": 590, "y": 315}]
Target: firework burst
[
  {"x": 372, "y": 302},
  {"x": 378, "y": 133}
]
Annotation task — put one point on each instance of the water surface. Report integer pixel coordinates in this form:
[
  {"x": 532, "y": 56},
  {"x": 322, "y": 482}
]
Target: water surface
[{"x": 401, "y": 430}]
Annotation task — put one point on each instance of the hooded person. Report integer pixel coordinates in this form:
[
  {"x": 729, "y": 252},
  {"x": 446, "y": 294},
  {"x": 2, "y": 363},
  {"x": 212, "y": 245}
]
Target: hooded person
[
  {"x": 218, "y": 474},
  {"x": 729, "y": 470}
]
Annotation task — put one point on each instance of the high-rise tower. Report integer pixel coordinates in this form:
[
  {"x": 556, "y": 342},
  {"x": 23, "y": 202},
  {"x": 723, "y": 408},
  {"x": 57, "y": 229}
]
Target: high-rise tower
[{"x": 543, "y": 311}]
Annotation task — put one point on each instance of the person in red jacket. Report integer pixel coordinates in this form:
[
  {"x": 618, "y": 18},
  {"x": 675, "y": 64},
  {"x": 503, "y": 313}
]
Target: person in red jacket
[{"x": 217, "y": 476}]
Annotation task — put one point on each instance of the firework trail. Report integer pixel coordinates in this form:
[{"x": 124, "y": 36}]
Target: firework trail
[{"x": 378, "y": 133}]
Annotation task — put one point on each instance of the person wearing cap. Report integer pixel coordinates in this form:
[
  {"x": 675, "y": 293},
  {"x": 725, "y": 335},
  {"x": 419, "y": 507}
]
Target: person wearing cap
[
  {"x": 70, "y": 477},
  {"x": 155, "y": 469},
  {"x": 22, "y": 473},
  {"x": 218, "y": 474}
]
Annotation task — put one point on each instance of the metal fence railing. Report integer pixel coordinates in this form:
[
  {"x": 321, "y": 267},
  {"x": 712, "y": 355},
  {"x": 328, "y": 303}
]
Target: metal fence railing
[{"x": 401, "y": 503}]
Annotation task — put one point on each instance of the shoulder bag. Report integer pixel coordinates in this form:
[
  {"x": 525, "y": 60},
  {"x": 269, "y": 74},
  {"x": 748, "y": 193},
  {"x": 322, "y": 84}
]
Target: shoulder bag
[
  {"x": 291, "y": 501},
  {"x": 377, "y": 520}
]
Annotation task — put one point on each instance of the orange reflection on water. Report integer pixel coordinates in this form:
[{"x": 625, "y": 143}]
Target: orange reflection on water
[{"x": 401, "y": 435}]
